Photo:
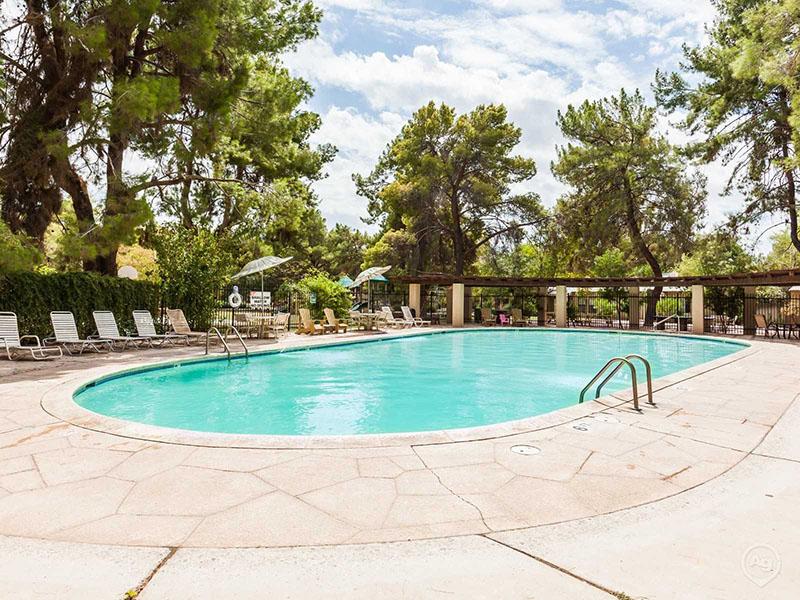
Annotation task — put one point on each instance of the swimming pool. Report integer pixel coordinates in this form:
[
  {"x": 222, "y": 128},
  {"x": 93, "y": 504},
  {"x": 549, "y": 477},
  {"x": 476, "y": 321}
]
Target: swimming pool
[{"x": 442, "y": 380}]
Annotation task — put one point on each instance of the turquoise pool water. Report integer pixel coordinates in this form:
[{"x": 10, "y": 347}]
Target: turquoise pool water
[{"x": 422, "y": 383}]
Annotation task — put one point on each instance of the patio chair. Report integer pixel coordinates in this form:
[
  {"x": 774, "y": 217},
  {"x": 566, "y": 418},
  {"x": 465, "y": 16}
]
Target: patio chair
[
  {"x": 392, "y": 322},
  {"x": 486, "y": 317},
  {"x": 11, "y": 340},
  {"x": 409, "y": 316},
  {"x": 504, "y": 319},
  {"x": 761, "y": 323},
  {"x": 792, "y": 326},
  {"x": 517, "y": 319},
  {"x": 380, "y": 320},
  {"x": 179, "y": 324},
  {"x": 245, "y": 326},
  {"x": 280, "y": 326},
  {"x": 309, "y": 325},
  {"x": 107, "y": 329},
  {"x": 330, "y": 317},
  {"x": 357, "y": 320},
  {"x": 147, "y": 329},
  {"x": 65, "y": 335}
]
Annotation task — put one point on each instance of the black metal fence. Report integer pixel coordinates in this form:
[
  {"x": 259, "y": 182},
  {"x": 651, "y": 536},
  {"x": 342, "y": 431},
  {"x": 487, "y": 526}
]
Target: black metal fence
[
  {"x": 386, "y": 295},
  {"x": 254, "y": 302},
  {"x": 524, "y": 300},
  {"x": 434, "y": 305}
]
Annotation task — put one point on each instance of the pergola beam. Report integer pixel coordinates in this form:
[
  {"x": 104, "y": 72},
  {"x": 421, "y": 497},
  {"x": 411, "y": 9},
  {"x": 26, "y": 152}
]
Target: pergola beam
[{"x": 777, "y": 278}]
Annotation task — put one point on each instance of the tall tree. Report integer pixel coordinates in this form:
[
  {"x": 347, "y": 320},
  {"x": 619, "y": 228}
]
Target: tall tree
[
  {"x": 744, "y": 103},
  {"x": 142, "y": 68},
  {"x": 627, "y": 182},
  {"x": 447, "y": 180},
  {"x": 51, "y": 59},
  {"x": 344, "y": 250}
]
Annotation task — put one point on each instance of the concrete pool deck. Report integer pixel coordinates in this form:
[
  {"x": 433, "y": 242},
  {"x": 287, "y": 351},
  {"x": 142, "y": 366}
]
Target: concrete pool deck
[{"x": 662, "y": 504}]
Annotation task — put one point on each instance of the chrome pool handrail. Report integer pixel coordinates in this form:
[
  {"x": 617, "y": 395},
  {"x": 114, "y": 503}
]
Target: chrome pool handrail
[
  {"x": 619, "y": 361},
  {"x": 648, "y": 373},
  {"x": 221, "y": 339},
  {"x": 241, "y": 340},
  {"x": 228, "y": 330}
]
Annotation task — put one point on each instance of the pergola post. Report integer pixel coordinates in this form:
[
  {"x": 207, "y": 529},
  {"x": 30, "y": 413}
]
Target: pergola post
[
  {"x": 541, "y": 306},
  {"x": 749, "y": 321},
  {"x": 415, "y": 298},
  {"x": 457, "y": 304},
  {"x": 633, "y": 307},
  {"x": 561, "y": 306},
  {"x": 698, "y": 310},
  {"x": 468, "y": 304}
]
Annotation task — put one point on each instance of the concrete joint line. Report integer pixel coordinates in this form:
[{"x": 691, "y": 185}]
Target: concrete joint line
[
  {"x": 135, "y": 592},
  {"x": 552, "y": 565}
]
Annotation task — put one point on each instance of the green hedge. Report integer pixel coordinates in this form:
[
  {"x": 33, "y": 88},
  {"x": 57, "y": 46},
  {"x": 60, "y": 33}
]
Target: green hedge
[{"x": 32, "y": 296}]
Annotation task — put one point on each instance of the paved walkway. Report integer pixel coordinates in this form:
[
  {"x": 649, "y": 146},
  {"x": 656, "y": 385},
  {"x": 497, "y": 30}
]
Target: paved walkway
[{"x": 661, "y": 504}]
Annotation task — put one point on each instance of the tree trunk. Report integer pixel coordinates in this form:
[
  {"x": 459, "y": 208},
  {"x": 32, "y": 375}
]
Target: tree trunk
[
  {"x": 640, "y": 244},
  {"x": 30, "y": 197},
  {"x": 458, "y": 235},
  {"x": 791, "y": 199}
]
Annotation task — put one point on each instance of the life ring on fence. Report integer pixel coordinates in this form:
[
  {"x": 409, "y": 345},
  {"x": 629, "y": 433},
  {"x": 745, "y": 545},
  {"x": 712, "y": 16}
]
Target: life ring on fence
[{"x": 235, "y": 300}]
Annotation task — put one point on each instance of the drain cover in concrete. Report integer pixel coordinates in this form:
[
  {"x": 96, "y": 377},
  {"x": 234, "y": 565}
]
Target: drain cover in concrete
[
  {"x": 525, "y": 450},
  {"x": 605, "y": 418}
]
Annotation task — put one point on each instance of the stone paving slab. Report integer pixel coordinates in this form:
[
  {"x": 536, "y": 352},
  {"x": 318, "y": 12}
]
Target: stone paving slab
[
  {"x": 38, "y": 570},
  {"x": 465, "y": 567},
  {"x": 696, "y": 545}
]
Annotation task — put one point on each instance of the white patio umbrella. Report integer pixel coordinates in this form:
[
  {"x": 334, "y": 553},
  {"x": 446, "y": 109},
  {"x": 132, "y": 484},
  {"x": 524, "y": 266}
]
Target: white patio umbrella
[
  {"x": 260, "y": 265},
  {"x": 367, "y": 276}
]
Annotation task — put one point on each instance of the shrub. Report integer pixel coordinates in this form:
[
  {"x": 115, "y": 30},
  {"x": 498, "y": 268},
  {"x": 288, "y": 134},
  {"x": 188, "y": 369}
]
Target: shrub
[
  {"x": 193, "y": 267},
  {"x": 33, "y": 295},
  {"x": 324, "y": 293},
  {"x": 16, "y": 252}
]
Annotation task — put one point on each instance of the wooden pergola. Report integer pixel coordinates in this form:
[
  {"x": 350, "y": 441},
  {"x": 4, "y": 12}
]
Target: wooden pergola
[{"x": 456, "y": 285}]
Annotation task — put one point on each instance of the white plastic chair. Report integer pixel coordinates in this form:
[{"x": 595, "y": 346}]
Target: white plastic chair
[
  {"x": 147, "y": 329},
  {"x": 11, "y": 341},
  {"x": 107, "y": 329},
  {"x": 409, "y": 316},
  {"x": 65, "y": 333}
]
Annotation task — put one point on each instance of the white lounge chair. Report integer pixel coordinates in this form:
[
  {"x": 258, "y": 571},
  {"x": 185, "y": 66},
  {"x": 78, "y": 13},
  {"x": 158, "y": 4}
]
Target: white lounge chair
[
  {"x": 409, "y": 316},
  {"x": 11, "y": 341},
  {"x": 65, "y": 334},
  {"x": 146, "y": 328},
  {"x": 392, "y": 322},
  {"x": 107, "y": 329}
]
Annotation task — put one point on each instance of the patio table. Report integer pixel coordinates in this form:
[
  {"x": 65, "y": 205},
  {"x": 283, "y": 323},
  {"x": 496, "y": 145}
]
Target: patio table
[
  {"x": 261, "y": 321},
  {"x": 368, "y": 319}
]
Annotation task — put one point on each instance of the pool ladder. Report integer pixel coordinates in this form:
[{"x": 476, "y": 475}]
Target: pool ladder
[
  {"x": 618, "y": 362},
  {"x": 221, "y": 337}
]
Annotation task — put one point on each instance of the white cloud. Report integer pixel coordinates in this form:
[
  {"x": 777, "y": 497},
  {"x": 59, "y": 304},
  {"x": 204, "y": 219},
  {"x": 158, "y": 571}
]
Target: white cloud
[
  {"x": 535, "y": 57},
  {"x": 360, "y": 140}
]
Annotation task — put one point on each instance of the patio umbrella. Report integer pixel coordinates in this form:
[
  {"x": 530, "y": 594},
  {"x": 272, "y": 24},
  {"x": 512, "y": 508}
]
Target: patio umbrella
[
  {"x": 260, "y": 265},
  {"x": 345, "y": 281},
  {"x": 367, "y": 276}
]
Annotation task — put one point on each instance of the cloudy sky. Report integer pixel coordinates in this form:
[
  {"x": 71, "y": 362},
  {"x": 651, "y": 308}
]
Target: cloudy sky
[{"x": 377, "y": 61}]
